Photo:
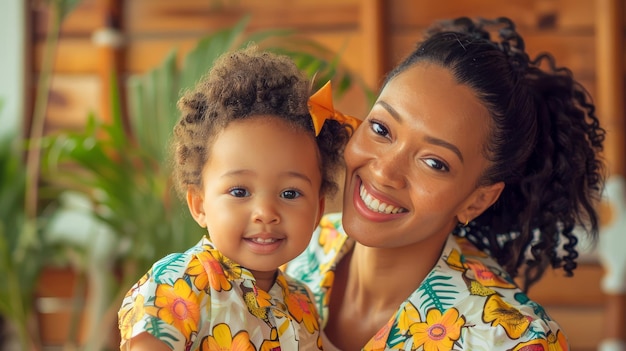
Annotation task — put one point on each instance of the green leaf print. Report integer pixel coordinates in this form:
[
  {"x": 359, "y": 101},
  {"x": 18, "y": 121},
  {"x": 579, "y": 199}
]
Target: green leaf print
[
  {"x": 158, "y": 329},
  {"x": 395, "y": 336},
  {"x": 436, "y": 293},
  {"x": 306, "y": 273},
  {"x": 538, "y": 309},
  {"x": 535, "y": 332},
  {"x": 169, "y": 264}
]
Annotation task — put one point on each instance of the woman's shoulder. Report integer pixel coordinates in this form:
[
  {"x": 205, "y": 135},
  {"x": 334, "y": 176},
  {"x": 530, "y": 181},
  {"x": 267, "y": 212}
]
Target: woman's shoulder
[
  {"x": 326, "y": 243},
  {"x": 490, "y": 307}
]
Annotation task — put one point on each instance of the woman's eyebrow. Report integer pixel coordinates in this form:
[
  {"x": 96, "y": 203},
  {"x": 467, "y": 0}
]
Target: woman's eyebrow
[
  {"x": 392, "y": 111},
  {"x": 447, "y": 145}
]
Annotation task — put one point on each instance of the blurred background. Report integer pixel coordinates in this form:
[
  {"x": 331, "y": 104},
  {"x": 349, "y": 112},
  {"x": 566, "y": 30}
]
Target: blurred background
[{"x": 87, "y": 101}]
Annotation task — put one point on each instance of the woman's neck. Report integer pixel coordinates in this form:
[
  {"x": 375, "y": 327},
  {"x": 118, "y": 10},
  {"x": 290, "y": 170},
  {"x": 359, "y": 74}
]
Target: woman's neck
[
  {"x": 370, "y": 285},
  {"x": 383, "y": 278}
]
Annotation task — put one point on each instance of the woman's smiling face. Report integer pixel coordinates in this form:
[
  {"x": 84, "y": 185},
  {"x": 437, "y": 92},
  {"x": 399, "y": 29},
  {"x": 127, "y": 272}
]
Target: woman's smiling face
[{"x": 413, "y": 166}]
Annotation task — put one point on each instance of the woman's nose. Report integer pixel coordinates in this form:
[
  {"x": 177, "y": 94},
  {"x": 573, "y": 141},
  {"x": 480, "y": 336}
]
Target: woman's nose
[
  {"x": 265, "y": 211},
  {"x": 389, "y": 168}
]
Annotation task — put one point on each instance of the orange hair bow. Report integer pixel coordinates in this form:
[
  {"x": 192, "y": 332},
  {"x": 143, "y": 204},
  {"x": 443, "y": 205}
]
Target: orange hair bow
[{"x": 321, "y": 109}]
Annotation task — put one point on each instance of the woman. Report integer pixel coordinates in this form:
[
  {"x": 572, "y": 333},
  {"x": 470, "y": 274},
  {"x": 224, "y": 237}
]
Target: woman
[{"x": 472, "y": 168}]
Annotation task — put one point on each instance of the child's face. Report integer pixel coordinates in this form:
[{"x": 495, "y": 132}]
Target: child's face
[{"x": 261, "y": 193}]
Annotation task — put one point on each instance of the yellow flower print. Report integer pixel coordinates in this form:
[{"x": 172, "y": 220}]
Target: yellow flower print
[
  {"x": 328, "y": 235},
  {"x": 179, "y": 306},
  {"x": 130, "y": 315},
  {"x": 485, "y": 276},
  {"x": 409, "y": 315},
  {"x": 220, "y": 269},
  {"x": 557, "y": 342},
  {"x": 263, "y": 298},
  {"x": 302, "y": 310},
  {"x": 554, "y": 342},
  {"x": 477, "y": 288},
  {"x": 455, "y": 261},
  {"x": 326, "y": 284},
  {"x": 256, "y": 300},
  {"x": 253, "y": 306},
  {"x": 272, "y": 344},
  {"x": 196, "y": 270},
  {"x": 223, "y": 340},
  {"x": 498, "y": 312},
  {"x": 439, "y": 332},
  {"x": 532, "y": 345},
  {"x": 468, "y": 248}
]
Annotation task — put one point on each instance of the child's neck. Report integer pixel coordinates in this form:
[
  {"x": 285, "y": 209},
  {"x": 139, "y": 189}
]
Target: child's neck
[{"x": 265, "y": 280}]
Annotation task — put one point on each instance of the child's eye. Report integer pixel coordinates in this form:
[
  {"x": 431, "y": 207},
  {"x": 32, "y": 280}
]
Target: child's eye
[
  {"x": 239, "y": 192},
  {"x": 290, "y": 194},
  {"x": 437, "y": 165},
  {"x": 379, "y": 128}
]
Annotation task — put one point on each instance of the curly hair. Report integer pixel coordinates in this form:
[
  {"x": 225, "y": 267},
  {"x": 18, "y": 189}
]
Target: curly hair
[
  {"x": 544, "y": 144},
  {"x": 243, "y": 84}
]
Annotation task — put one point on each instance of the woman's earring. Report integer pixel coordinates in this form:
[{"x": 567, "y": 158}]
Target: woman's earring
[{"x": 466, "y": 222}]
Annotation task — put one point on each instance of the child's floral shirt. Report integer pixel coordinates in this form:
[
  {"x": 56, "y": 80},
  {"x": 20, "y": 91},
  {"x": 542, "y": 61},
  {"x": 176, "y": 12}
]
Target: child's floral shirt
[{"x": 201, "y": 300}]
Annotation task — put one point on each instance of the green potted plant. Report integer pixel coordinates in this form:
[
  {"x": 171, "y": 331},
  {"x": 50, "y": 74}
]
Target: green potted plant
[{"x": 23, "y": 252}]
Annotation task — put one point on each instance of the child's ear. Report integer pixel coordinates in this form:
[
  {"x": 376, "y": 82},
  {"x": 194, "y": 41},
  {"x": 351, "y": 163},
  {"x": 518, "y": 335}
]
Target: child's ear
[
  {"x": 195, "y": 202},
  {"x": 479, "y": 201},
  {"x": 320, "y": 212}
]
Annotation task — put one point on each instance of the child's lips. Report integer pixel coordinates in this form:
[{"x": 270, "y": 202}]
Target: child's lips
[
  {"x": 264, "y": 238},
  {"x": 263, "y": 241},
  {"x": 264, "y": 244}
]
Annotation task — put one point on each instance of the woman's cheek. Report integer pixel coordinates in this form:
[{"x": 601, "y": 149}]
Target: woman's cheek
[{"x": 357, "y": 149}]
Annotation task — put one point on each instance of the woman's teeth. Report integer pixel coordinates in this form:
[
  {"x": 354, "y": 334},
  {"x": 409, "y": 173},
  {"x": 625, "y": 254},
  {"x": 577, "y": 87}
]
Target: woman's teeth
[{"x": 377, "y": 205}]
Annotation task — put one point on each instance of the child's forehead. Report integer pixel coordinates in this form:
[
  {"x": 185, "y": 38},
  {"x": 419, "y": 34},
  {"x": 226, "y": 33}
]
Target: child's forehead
[
  {"x": 290, "y": 124},
  {"x": 268, "y": 131},
  {"x": 265, "y": 147}
]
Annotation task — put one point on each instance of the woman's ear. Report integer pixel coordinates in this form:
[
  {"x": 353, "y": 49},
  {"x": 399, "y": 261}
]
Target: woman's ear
[
  {"x": 479, "y": 201},
  {"x": 195, "y": 202}
]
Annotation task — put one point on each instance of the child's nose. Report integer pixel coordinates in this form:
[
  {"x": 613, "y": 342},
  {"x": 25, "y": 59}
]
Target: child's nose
[{"x": 266, "y": 211}]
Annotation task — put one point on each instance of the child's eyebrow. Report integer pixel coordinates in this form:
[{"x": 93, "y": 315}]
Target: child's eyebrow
[
  {"x": 300, "y": 175},
  {"x": 240, "y": 172}
]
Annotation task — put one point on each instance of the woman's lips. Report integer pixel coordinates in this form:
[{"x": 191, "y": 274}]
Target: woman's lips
[
  {"x": 377, "y": 205},
  {"x": 373, "y": 208}
]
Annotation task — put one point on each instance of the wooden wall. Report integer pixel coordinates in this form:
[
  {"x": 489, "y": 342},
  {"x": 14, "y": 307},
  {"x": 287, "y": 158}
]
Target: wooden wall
[{"x": 372, "y": 34}]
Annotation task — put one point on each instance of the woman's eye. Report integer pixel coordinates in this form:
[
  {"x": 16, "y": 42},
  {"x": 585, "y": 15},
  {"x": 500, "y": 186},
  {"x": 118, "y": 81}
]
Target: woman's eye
[
  {"x": 379, "y": 128},
  {"x": 290, "y": 194},
  {"x": 437, "y": 165},
  {"x": 239, "y": 192}
]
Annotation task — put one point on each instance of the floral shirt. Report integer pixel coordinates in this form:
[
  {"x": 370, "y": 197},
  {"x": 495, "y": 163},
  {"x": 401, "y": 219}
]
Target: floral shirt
[
  {"x": 467, "y": 301},
  {"x": 201, "y": 300}
]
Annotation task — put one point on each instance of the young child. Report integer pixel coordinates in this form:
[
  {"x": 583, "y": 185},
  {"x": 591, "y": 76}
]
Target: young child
[{"x": 254, "y": 167}]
